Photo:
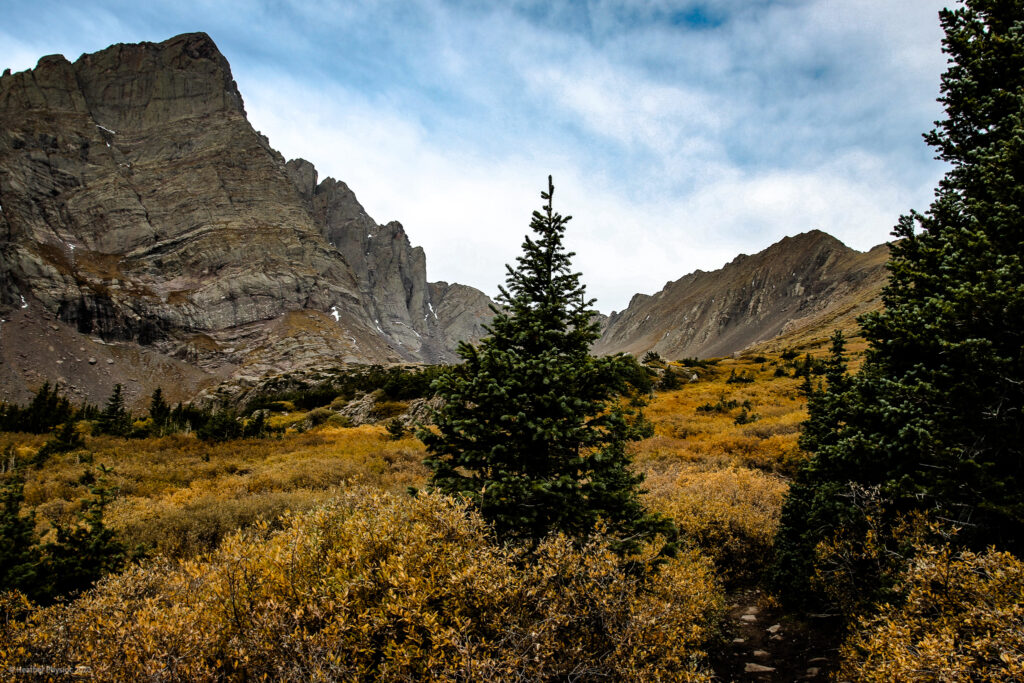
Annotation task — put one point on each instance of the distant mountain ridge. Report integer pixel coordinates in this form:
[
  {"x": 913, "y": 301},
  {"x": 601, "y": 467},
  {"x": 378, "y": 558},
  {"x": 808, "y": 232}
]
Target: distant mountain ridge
[
  {"x": 144, "y": 218},
  {"x": 149, "y": 236},
  {"x": 811, "y": 279}
]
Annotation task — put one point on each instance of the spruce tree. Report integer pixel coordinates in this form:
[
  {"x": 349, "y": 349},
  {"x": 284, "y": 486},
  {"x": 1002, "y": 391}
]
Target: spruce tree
[
  {"x": 115, "y": 418},
  {"x": 933, "y": 421},
  {"x": 159, "y": 411},
  {"x": 531, "y": 430},
  {"x": 46, "y": 410},
  {"x": 85, "y": 552},
  {"x": 19, "y": 555},
  {"x": 65, "y": 439},
  {"x": 669, "y": 380}
]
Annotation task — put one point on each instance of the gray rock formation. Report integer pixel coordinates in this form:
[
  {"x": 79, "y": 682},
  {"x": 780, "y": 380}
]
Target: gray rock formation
[
  {"x": 800, "y": 282},
  {"x": 460, "y": 311},
  {"x": 138, "y": 206},
  {"x": 390, "y": 272}
]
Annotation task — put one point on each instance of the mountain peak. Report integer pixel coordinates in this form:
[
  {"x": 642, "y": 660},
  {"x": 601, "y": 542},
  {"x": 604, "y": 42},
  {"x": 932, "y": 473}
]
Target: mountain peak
[
  {"x": 143, "y": 213},
  {"x": 809, "y": 238},
  {"x": 140, "y": 85},
  {"x": 750, "y": 299}
]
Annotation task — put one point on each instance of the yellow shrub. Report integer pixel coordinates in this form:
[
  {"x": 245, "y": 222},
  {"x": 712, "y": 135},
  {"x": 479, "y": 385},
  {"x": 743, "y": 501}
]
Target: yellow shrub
[
  {"x": 179, "y": 529},
  {"x": 179, "y": 496},
  {"x": 684, "y": 433},
  {"x": 962, "y": 620},
  {"x": 730, "y": 514},
  {"x": 381, "y": 587}
]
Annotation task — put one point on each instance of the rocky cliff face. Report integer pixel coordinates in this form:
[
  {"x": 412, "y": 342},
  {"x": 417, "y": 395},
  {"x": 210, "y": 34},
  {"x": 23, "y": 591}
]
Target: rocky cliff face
[
  {"x": 138, "y": 207},
  {"x": 808, "y": 280},
  {"x": 391, "y": 274}
]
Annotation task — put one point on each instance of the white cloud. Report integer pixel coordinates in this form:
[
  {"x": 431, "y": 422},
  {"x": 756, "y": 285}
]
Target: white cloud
[
  {"x": 470, "y": 212},
  {"x": 674, "y": 147},
  {"x": 619, "y": 104}
]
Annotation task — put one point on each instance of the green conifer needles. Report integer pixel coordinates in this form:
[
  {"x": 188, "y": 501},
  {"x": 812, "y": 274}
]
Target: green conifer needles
[
  {"x": 933, "y": 420},
  {"x": 532, "y": 429}
]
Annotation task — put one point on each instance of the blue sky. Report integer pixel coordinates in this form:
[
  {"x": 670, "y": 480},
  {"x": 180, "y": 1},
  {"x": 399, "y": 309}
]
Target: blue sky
[{"x": 679, "y": 132}]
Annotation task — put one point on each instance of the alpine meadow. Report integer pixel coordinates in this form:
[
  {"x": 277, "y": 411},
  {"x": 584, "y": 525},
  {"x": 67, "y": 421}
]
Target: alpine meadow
[{"x": 244, "y": 438}]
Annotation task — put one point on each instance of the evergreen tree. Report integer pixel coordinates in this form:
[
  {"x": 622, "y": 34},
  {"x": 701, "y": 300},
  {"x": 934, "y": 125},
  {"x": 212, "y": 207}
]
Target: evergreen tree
[
  {"x": 159, "y": 410},
  {"x": 221, "y": 426},
  {"x": 256, "y": 426},
  {"x": 825, "y": 406},
  {"x": 115, "y": 419},
  {"x": 66, "y": 439},
  {"x": 933, "y": 419},
  {"x": 19, "y": 556},
  {"x": 84, "y": 553},
  {"x": 395, "y": 429},
  {"x": 653, "y": 358},
  {"x": 46, "y": 410},
  {"x": 669, "y": 380},
  {"x": 531, "y": 430}
]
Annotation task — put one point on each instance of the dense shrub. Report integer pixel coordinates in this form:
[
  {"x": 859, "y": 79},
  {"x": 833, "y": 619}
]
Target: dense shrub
[
  {"x": 723, "y": 405},
  {"x": 318, "y": 416},
  {"x": 871, "y": 545},
  {"x": 669, "y": 380},
  {"x": 961, "y": 619},
  {"x": 199, "y": 525},
  {"x": 741, "y": 377},
  {"x": 694, "y": 362},
  {"x": 745, "y": 417},
  {"x": 65, "y": 439},
  {"x": 220, "y": 426},
  {"x": 384, "y": 410},
  {"x": 377, "y": 587},
  {"x": 731, "y": 515},
  {"x": 396, "y": 383}
]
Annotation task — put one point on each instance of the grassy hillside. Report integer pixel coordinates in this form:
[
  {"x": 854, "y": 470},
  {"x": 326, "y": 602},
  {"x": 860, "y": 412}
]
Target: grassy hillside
[{"x": 179, "y": 495}]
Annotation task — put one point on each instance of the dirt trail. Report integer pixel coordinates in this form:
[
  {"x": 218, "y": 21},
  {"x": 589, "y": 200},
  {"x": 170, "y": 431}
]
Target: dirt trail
[{"x": 769, "y": 645}]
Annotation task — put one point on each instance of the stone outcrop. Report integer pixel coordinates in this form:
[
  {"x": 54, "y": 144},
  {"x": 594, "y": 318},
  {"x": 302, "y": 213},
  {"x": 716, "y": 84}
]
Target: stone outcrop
[
  {"x": 808, "y": 281},
  {"x": 139, "y": 207},
  {"x": 460, "y": 311},
  {"x": 391, "y": 274}
]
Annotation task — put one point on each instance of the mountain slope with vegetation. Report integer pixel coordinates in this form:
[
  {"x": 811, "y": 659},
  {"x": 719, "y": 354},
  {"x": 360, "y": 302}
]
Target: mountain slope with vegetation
[{"x": 801, "y": 284}]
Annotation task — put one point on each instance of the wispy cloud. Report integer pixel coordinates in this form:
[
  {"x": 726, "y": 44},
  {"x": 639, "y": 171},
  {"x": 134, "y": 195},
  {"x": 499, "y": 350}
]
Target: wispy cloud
[{"x": 679, "y": 132}]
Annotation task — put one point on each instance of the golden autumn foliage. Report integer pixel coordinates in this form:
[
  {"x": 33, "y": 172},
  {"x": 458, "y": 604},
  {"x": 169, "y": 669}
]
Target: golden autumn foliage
[
  {"x": 720, "y": 481},
  {"x": 684, "y": 431},
  {"x": 375, "y": 586},
  {"x": 178, "y": 496},
  {"x": 731, "y": 514},
  {"x": 961, "y": 619},
  {"x": 361, "y": 582}
]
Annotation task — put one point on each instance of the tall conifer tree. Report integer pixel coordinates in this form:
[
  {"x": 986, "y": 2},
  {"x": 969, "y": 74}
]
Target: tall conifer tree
[
  {"x": 531, "y": 429},
  {"x": 934, "y": 418},
  {"x": 115, "y": 418}
]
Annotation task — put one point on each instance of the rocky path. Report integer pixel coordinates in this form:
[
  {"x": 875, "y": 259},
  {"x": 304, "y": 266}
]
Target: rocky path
[{"x": 769, "y": 645}]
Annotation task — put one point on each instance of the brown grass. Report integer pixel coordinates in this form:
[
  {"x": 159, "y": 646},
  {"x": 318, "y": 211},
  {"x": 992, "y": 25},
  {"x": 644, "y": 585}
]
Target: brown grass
[{"x": 179, "y": 496}]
